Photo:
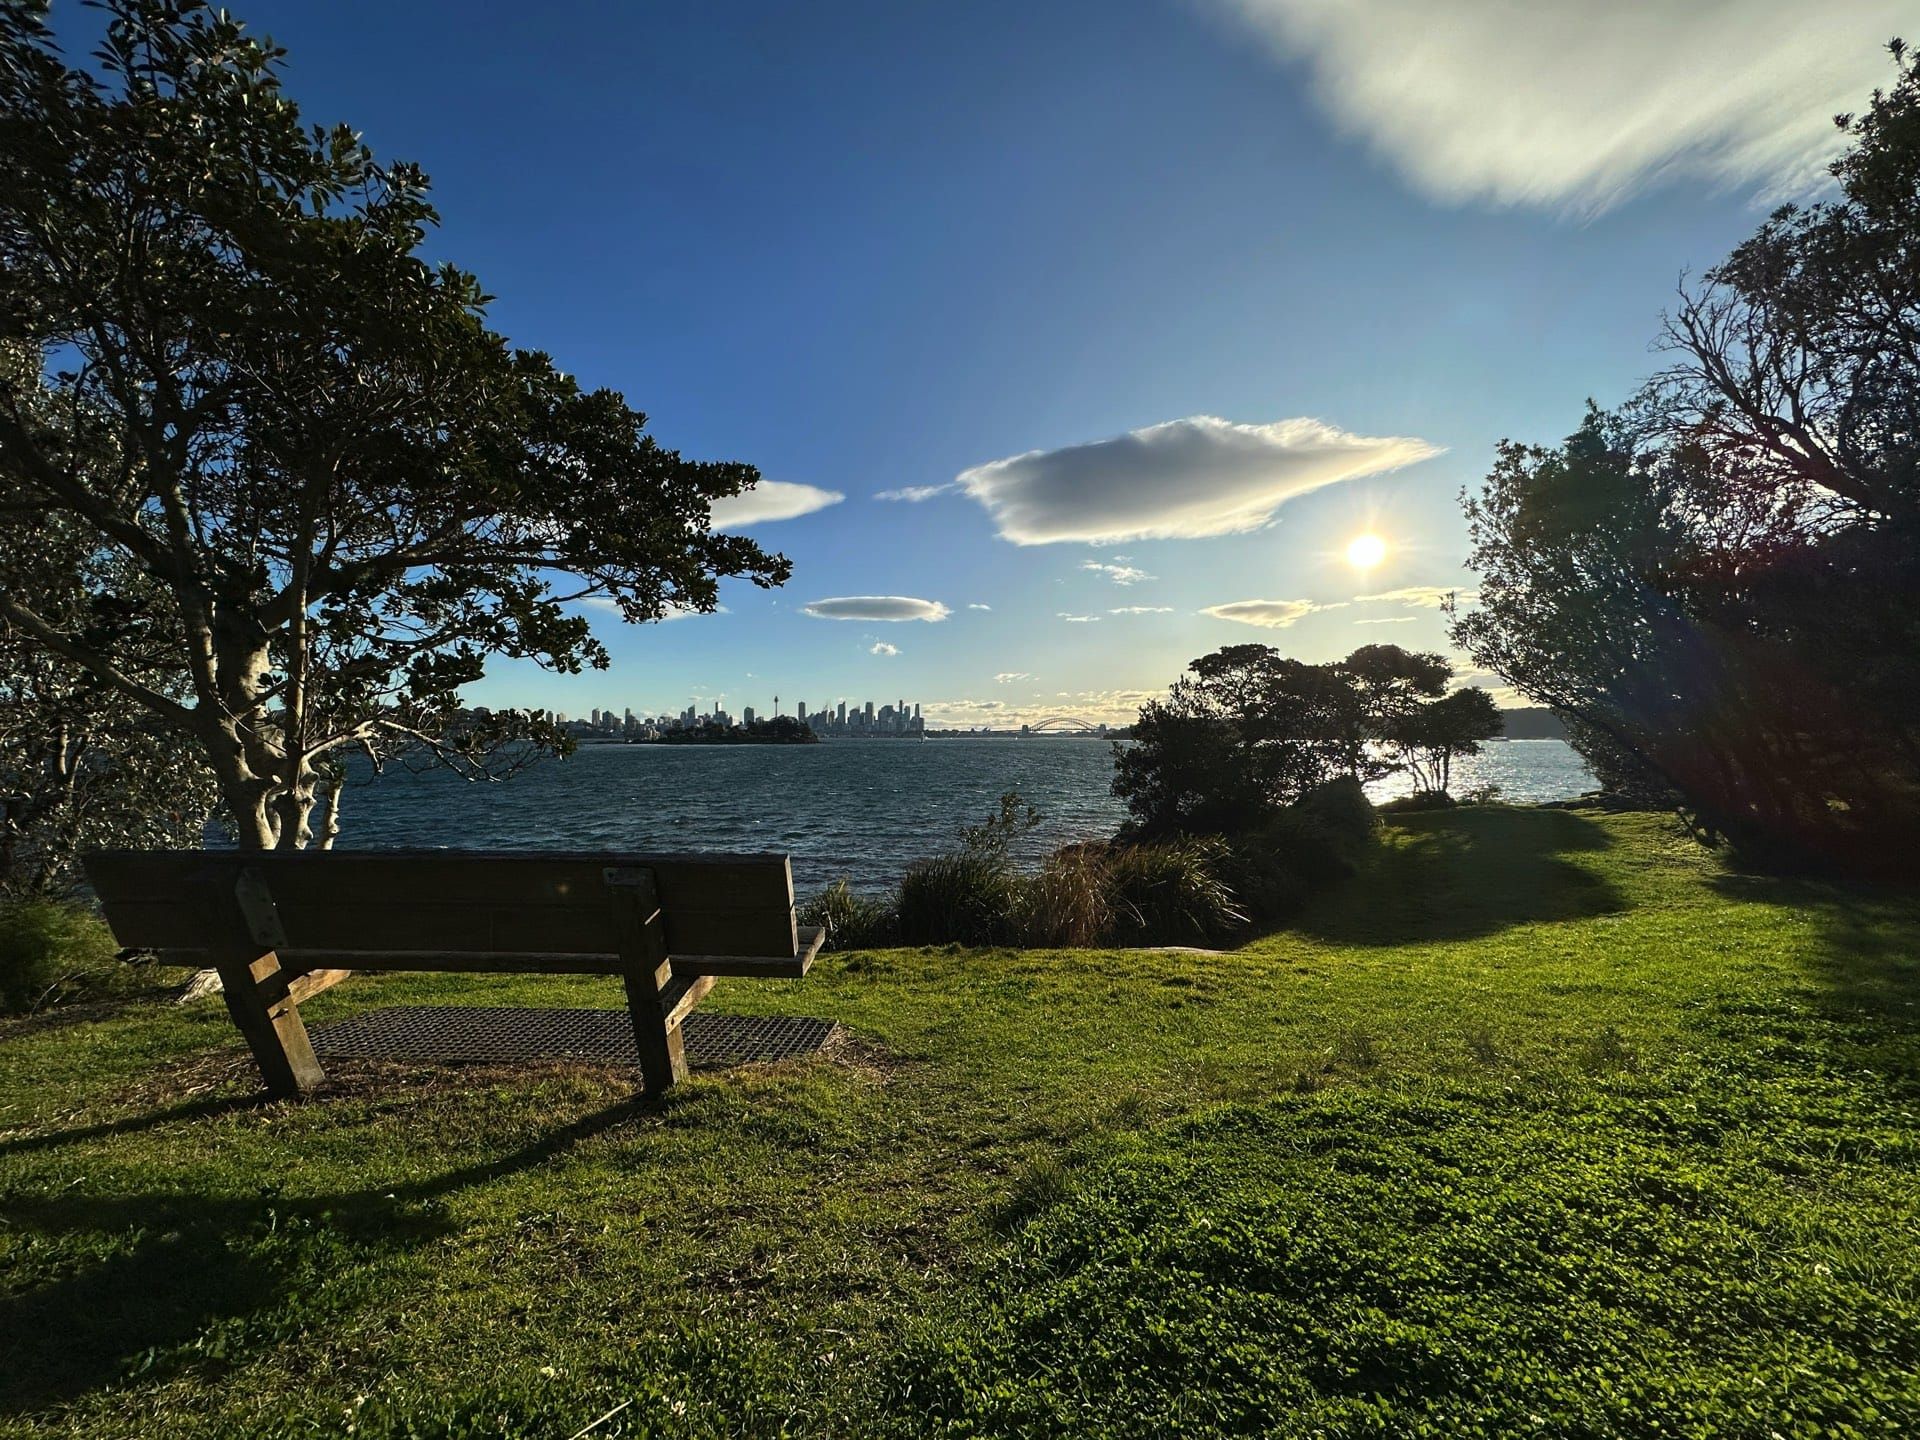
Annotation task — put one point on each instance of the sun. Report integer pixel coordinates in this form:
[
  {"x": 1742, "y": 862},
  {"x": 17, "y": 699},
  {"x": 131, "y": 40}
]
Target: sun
[{"x": 1366, "y": 551}]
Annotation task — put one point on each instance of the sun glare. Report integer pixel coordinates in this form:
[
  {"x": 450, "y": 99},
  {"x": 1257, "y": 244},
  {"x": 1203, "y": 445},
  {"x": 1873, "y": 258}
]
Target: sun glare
[{"x": 1366, "y": 551}]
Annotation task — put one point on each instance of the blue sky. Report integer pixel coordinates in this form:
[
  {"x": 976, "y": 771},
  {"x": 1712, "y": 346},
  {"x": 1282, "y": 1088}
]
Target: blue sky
[{"x": 873, "y": 247}]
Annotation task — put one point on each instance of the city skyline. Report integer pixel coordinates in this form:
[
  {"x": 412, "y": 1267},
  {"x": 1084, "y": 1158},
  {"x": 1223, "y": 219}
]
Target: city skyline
[{"x": 1022, "y": 469}]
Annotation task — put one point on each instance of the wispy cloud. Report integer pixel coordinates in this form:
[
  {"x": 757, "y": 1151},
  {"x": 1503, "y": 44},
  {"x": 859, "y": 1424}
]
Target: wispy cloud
[
  {"x": 1269, "y": 614},
  {"x": 1184, "y": 479},
  {"x": 1010, "y": 677},
  {"x": 1389, "y": 620},
  {"x": 1079, "y": 619},
  {"x": 1141, "y": 610},
  {"x": 976, "y": 605},
  {"x": 875, "y": 607},
  {"x": 913, "y": 494},
  {"x": 1118, "y": 574},
  {"x": 1574, "y": 105},
  {"x": 771, "y": 500},
  {"x": 1427, "y": 597},
  {"x": 881, "y": 647}
]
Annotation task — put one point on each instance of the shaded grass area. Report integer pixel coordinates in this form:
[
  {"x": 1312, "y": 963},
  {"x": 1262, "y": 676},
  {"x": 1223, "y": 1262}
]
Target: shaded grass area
[{"x": 1546, "y": 1125}]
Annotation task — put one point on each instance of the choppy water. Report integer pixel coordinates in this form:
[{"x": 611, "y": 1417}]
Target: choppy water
[{"x": 856, "y": 808}]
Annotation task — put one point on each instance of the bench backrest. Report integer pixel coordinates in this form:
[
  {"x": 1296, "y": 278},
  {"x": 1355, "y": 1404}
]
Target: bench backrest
[{"x": 445, "y": 902}]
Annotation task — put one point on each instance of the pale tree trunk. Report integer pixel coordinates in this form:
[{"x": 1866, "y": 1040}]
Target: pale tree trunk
[{"x": 330, "y": 819}]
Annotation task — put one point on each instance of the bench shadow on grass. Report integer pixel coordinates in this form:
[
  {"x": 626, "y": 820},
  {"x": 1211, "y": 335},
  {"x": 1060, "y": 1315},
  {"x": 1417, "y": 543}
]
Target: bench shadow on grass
[
  {"x": 1459, "y": 874},
  {"x": 197, "y": 1279}
]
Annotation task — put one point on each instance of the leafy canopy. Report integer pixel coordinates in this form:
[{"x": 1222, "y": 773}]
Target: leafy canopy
[
  {"x": 1718, "y": 585},
  {"x": 229, "y": 364}
]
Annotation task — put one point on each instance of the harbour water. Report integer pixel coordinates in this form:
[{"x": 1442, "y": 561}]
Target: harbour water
[{"x": 858, "y": 809}]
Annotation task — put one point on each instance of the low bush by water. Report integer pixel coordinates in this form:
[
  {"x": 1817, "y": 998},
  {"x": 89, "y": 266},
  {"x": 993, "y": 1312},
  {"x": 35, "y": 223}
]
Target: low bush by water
[{"x": 1196, "y": 890}]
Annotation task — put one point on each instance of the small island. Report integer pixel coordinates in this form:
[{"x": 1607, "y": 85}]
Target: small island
[{"x": 780, "y": 730}]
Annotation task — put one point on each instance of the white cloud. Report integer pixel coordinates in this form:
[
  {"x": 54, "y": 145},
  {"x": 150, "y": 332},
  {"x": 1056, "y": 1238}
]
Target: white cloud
[
  {"x": 1184, "y": 479},
  {"x": 1389, "y": 620},
  {"x": 1079, "y": 619},
  {"x": 881, "y": 647},
  {"x": 771, "y": 500},
  {"x": 913, "y": 494},
  {"x": 1269, "y": 614},
  {"x": 1572, "y": 104},
  {"x": 1118, "y": 574},
  {"x": 978, "y": 606},
  {"x": 1427, "y": 597},
  {"x": 1141, "y": 610},
  {"x": 875, "y": 607},
  {"x": 1009, "y": 677}
]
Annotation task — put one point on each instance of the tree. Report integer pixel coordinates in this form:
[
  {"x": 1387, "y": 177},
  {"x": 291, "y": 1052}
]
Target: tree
[
  {"x": 1248, "y": 732},
  {"x": 1245, "y": 732},
  {"x": 228, "y": 366},
  {"x": 1385, "y": 687},
  {"x": 82, "y": 767},
  {"x": 1425, "y": 740},
  {"x": 1718, "y": 585}
]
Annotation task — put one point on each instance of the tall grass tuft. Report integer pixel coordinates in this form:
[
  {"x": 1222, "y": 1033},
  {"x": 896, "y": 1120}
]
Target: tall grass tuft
[
  {"x": 1172, "y": 891},
  {"x": 852, "y": 921},
  {"x": 51, "y": 952},
  {"x": 969, "y": 898},
  {"x": 1068, "y": 902}
]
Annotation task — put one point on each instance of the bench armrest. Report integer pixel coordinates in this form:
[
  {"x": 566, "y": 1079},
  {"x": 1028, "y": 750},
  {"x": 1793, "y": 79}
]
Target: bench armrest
[{"x": 776, "y": 967}]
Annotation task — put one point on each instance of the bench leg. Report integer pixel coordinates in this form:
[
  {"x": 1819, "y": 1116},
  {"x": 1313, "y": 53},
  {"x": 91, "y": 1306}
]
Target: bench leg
[
  {"x": 663, "y": 1059},
  {"x": 275, "y": 1035},
  {"x": 657, "y": 1001},
  {"x": 233, "y": 912}
]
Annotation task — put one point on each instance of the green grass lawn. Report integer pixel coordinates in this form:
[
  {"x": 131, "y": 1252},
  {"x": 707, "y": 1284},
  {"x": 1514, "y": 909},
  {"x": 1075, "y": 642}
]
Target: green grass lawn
[{"x": 1547, "y": 1125}]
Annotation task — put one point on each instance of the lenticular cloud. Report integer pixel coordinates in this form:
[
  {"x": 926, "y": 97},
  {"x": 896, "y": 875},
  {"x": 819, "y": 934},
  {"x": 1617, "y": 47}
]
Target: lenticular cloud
[
  {"x": 875, "y": 607},
  {"x": 771, "y": 500},
  {"x": 1181, "y": 480}
]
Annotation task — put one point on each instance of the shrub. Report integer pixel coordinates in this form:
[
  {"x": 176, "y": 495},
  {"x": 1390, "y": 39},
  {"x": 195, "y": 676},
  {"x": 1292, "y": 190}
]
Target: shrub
[
  {"x": 969, "y": 898},
  {"x": 1171, "y": 891},
  {"x": 49, "y": 951},
  {"x": 1417, "y": 801},
  {"x": 1309, "y": 847},
  {"x": 1345, "y": 815},
  {"x": 852, "y": 921},
  {"x": 1069, "y": 902}
]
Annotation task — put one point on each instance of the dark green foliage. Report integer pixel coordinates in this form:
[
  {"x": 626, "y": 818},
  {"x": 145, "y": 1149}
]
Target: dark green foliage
[
  {"x": 1419, "y": 800},
  {"x": 1172, "y": 892},
  {"x": 1248, "y": 732},
  {"x": 230, "y": 360},
  {"x": 50, "y": 951},
  {"x": 777, "y": 730},
  {"x": 852, "y": 921},
  {"x": 1314, "y": 844},
  {"x": 1718, "y": 586},
  {"x": 1427, "y": 739},
  {"x": 1070, "y": 900},
  {"x": 1345, "y": 817},
  {"x": 83, "y": 766},
  {"x": 968, "y": 898}
]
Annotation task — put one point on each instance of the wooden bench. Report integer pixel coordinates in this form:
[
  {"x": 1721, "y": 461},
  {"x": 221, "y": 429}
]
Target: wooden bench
[{"x": 282, "y": 927}]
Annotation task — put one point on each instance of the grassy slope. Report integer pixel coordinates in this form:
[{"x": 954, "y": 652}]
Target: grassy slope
[{"x": 1545, "y": 1125}]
